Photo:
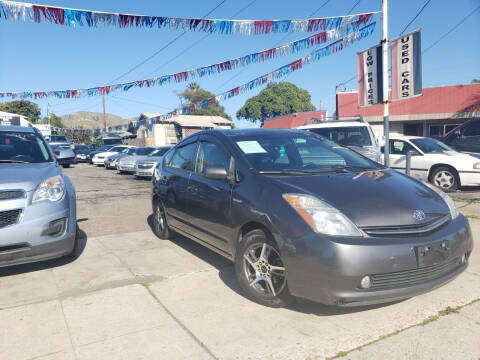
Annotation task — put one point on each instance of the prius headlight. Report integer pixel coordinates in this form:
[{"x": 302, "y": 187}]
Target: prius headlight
[
  {"x": 448, "y": 200},
  {"x": 320, "y": 216},
  {"x": 51, "y": 189}
]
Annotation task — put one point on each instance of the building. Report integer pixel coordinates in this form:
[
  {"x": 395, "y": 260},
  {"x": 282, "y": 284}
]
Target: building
[
  {"x": 13, "y": 119},
  {"x": 171, "y": 131},
  {"x": 437, "y": 111},
  {"x": 294, "y": 120}
]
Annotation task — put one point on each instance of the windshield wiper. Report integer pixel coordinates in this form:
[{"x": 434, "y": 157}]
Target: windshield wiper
[{"x": 13, "y": 161}]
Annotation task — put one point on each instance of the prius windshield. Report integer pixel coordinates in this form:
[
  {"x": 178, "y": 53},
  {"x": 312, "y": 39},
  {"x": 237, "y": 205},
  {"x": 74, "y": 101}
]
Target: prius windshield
[
  {"x": 23, "y": 147},
  {"x": 285, "y": 151}
]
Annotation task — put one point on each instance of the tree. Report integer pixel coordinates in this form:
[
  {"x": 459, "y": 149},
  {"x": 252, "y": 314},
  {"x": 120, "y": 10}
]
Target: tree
[
  {"x": 194, "y": 93},
  {"x": 55, "y": 121},
  {"x": 275, "y": 100},
  {"x": 22, "y": 107},
  {"x": 475, "y": 81}
]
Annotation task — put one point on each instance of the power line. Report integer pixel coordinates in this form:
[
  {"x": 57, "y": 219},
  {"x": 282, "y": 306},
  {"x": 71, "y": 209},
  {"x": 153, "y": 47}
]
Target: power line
[
  {"x": 451, "y": 30},
  {"x": 164, "y": 47},
  {"x": 353, "y": 7},
  {"x": 195, "y": 43},
  {"x": 418, "y": 13}
]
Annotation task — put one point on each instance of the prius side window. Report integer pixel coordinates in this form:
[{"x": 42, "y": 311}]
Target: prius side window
[
  {"x": 183, "y": 158},
  {"x": 210, "y": 154}
]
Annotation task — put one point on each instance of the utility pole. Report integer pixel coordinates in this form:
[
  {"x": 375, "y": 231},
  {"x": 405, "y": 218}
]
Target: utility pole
[
  {"x": 48, "y": 114},
  {"x": 104, "y": 118},
  {"x": 386, "y": 127}
]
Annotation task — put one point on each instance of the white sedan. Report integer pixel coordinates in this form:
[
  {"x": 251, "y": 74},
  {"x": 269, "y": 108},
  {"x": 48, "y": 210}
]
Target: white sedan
[
  {"x": 435, "y": 162},
  {"x": 99, "y": 158}
]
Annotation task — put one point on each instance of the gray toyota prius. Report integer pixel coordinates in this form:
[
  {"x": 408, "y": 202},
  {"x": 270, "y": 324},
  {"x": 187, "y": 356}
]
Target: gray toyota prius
[
  {"x": 37, "y": 202},
  {"x": 301, "y": 216}
]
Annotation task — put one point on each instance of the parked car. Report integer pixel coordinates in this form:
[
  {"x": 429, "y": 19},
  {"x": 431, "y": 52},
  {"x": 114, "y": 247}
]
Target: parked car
[
  {"x": 109, "y": 139},
  {"x": 37, "y": 201},
  {"x": 82, "y": 153},
  {"x": 64, "y": 157},
  {"x": 145, "y": 165},
  {"x": 465, "y": 137},
  {"x": 60, "y": 140},
  {"x": 99, "y": 158},
  {"x": 356, "y": 135},
  {"x": 302, "y": 217},
  {"x": 127, "y": 164},
  {"x": 99, "y": 150},
  {"x": 111, "y": 161},
  {"x": 123, "y": 134},
  {"x": 435, "y": 162}
]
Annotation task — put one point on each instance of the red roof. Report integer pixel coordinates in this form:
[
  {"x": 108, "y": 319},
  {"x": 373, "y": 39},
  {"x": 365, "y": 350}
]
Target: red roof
[
  {"x": 445, "y": 99},
  {"x": 293, "y": 120}
]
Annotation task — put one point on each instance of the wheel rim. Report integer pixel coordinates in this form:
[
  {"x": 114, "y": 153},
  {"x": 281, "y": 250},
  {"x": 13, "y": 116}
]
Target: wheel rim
[
  {"x": 264, "y": 269},
  {"x": 159, "y": 218},
  {"x": 444, "y": 179}
]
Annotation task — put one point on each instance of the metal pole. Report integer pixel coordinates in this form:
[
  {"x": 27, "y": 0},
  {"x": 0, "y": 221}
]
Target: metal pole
[
  {"x": 386, "y": 127},
  {"x": 408, "y": 162},
  {"x": 104, "y": 118}
]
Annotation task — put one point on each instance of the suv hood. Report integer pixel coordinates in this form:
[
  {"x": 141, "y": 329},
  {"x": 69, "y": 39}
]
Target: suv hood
[
  {"x": 371, "y": 198},
  {"x": 25, "y": 176}
]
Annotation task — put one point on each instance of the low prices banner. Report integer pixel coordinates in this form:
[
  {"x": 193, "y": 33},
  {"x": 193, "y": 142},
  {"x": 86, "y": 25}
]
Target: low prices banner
[
  {"x": 370, "y": 76},
  {"x": 406, "y": 66}
]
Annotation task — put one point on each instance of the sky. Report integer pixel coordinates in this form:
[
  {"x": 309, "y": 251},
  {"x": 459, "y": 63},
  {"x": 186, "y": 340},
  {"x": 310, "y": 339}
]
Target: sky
[{"x": 42, "y": 57}]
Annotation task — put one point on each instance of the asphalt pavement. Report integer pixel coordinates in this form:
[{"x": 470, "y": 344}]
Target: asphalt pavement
[{"x": 131, "y": 295}]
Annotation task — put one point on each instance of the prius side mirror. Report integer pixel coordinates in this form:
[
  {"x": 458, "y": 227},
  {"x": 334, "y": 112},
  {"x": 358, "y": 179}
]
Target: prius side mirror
[
  {"x": 457, "y": 133},
  {"x": 215, "y": 172}
]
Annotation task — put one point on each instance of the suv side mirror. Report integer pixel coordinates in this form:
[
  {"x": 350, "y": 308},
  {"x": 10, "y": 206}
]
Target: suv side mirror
[{"x": 215, "y": 172}]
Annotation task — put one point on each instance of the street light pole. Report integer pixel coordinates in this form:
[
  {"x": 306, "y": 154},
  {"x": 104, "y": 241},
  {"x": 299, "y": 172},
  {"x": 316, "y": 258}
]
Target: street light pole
[{"x": 386, "y": 127}]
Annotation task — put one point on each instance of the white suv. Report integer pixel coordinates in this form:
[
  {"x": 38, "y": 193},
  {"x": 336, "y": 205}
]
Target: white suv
[{"x": 354, "y": 134}]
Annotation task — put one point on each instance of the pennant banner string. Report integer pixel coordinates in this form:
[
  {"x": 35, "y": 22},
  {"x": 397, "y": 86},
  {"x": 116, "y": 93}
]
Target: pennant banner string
[
  {"x": 189, "y": 75},
  {"x": 259, "y": 81},
  {"x": 20, "y": 11}
]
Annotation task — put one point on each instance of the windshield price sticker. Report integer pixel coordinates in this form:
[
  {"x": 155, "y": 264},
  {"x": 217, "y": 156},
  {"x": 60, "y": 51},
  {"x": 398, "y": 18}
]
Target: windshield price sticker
[{"x": 251, "y": 147}]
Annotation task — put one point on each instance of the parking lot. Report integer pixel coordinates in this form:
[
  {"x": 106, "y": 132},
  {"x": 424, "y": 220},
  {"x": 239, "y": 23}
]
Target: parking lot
[{"x": 131, "y": 295}]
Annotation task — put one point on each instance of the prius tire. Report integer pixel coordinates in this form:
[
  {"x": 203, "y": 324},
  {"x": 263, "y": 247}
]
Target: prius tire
[
  {"x": 252, "y": 274},
  {"x": 160, "y": 225}
]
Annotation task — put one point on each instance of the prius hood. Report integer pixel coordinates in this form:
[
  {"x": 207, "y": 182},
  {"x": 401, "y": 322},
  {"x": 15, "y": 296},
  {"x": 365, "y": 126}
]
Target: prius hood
[
  {"x": 371, "y": 198},
  {"x": 25, "y": 176}
]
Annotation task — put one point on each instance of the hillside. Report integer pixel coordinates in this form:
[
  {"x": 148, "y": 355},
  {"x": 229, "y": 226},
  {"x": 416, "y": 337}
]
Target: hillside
[{"x": 91, "y": 120}]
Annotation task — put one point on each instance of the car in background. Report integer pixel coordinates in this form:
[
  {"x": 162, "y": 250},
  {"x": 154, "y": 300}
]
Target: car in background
[
  {"x": 303, "y": 217},
  {"x": 126, "y": 165},
  {"x": 111, "y": 161},
  {"x": 64, "y": 157},
  {"x": 435, "y": 162},
  {"x": 82, "y": 153},
  {"x": 99, "y": 158},
  {"x": 98, "y": 151},
  {"x": 145, "y": 165},
  {"x": 109, "y": 139},
  {"x": 354, "y": 134},
  {"x": 122, "y": 133},
  {"x": 37, "y": 202},
  {"x": 60, "y": 140},
  {"x": 465, "y": 137}
]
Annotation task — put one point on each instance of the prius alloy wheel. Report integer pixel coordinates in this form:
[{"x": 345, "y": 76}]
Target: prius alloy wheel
[
  {"x": 445, "y": 179},
  {"x": 160, "y": 225},
  {"x": 261, "y": 271}
]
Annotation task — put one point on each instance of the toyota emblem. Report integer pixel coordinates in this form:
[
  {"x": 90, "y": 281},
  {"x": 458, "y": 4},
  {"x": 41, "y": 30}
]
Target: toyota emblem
[{"x": 418, "y": 215}]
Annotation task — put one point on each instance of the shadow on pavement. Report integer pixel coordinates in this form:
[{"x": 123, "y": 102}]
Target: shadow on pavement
[
  {"x": 226, "y": 273},
  {"x": 47, "y": 264}
]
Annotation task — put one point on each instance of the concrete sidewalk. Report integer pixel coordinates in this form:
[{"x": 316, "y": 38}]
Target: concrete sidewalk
[{"x": 133, "y": 296}]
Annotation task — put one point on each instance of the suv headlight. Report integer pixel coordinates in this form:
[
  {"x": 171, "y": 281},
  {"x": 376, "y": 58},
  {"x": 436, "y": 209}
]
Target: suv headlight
[
  {"x": 51, "y": 189},
  {"x": 447, "y": 199},
  {"x": 321, "y": 217}
]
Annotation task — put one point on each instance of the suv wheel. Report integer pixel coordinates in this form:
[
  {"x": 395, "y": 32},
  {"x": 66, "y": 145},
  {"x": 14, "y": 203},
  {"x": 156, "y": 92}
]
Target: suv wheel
[
  {"x": 445, "y": 178},
  {"x": 261, "y": 272},
  {"x": 160, "y": 225}
]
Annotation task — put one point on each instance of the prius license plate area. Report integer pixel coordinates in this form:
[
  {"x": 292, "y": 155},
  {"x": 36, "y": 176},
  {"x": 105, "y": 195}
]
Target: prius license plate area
[{"x": 428, "y": 255}]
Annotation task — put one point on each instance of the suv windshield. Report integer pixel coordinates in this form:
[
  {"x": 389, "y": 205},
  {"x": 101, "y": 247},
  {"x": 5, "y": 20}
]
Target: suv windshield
[
  {"x": 23, "y": 147},
  {"x": 57, "y": 138},
  {"x": 346, "y": 136},
  {"x": 428, "y": 145},
  {"x": 285, "y": 151}
]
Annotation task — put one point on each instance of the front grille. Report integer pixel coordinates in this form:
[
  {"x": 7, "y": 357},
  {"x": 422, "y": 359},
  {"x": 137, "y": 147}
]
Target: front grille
[
  {"x": 9, "y": 217},
  {"x": 145, "y": 166},
  {"x": 11, "y": 194},
  {"x": 407, "y": 230},
  {"x": 415, "y": 276}
]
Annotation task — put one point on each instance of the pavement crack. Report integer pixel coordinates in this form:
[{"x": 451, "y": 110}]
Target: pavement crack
[{"x": 187, "y": 330}]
